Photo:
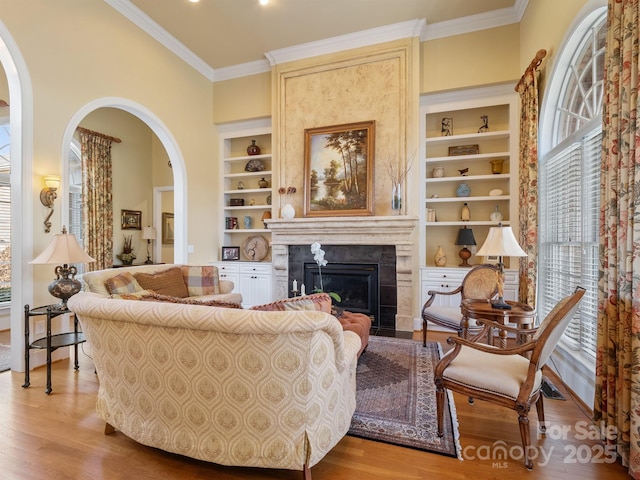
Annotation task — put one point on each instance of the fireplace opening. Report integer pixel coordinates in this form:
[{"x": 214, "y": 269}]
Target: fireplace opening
[{"x": 356, "y": 283}]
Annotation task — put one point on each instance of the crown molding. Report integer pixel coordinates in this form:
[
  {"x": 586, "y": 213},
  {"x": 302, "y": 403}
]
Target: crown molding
[
  {"x": 142, "y": 20},
  {"x": 408, "y": 29},
  {"x": 241, "y": 70},
  {"x": 474, "y": 23}
]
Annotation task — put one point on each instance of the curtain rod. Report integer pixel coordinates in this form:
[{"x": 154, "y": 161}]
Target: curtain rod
[
  {"x": 91, "y": 132},
  {"x": 535, "y": 63}
]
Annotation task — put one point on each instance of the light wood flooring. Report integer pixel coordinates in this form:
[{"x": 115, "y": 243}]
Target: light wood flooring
[{"x": 60, "y": 437}]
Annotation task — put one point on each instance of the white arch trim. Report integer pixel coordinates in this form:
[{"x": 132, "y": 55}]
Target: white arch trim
[
  {"x": 170, "y": 145},
  {"x": 21, "y": 108}
]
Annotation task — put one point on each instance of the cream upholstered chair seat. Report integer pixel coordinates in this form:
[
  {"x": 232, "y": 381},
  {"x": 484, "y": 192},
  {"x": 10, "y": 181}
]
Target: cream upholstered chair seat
[
  {"x": 510, "y": 377},
  {"x": 481, "y": 283}
]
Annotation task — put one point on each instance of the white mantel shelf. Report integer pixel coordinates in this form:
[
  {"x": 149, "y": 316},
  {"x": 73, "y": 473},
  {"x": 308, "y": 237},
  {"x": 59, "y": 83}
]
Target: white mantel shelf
[{"x": 400, "y": 231}]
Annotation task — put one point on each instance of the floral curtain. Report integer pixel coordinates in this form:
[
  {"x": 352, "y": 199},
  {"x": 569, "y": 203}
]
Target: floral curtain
[
  {"x": 617, "y": 396},
  {"x": 97, "y": 206},
  {"x": 528, "y": 167}
]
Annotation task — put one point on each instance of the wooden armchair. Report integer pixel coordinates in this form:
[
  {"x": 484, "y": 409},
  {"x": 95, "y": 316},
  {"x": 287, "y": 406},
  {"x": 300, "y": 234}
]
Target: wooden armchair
[
  {"x": 510, "y": 377},
  {"x": 481, "y": 283}
]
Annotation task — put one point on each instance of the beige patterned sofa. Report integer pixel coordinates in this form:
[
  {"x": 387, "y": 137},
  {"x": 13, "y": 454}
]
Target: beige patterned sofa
[
  {"x": 193, "y": 282},
  {"x": 272, "y": 389}
]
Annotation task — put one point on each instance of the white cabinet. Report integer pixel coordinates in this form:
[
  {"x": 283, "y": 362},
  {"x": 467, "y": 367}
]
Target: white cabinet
[
  {"x": 458, "y": 168},
  {"x": 447, "y": 279},
  {"x": 255, "y": 283},
  {"x": 229, "y": 271},
  {"x": 245, "y": 181},
  {"x": 251, "y": 279}
]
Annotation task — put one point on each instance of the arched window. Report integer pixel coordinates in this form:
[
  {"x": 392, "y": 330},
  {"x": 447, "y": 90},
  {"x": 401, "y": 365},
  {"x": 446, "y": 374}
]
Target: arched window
[
  {"x": 569, "y": 179},
  {"x": 5, "y": 207}
]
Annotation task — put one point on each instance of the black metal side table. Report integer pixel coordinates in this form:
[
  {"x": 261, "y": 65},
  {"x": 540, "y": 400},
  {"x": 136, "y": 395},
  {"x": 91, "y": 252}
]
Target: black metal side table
[{"x": 50, "y": 342}]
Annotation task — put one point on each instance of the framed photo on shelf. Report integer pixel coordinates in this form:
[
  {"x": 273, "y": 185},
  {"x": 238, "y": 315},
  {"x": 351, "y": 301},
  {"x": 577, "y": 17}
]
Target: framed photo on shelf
[
  {"x": 230, "y": 253},
  {"x": 131, "y": 219},
  {"x": 464, "y": 150},
  {"x": 338, "y": 170},
  {"x": 167, "y": 228}
]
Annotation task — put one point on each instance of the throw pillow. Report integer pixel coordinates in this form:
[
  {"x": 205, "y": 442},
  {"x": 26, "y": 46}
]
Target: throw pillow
[
  {"x": 201, "y": 280},
  {"x": 316, "y": 301},
  {"x": 165, "y": 282},
  {"x": 155, "y": 297},
  {"x": 123, "y": 283},
  {"x": 132, "y": 296}
]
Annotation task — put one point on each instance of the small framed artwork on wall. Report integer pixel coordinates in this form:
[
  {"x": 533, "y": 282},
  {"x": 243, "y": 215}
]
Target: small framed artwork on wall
[
  {"x": 131, "y": 219},
  {"x": 167, "y": 228}
]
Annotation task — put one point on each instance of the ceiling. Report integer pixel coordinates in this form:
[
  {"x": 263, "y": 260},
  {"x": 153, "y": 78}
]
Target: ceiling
[{"x": 224, "y": 33}]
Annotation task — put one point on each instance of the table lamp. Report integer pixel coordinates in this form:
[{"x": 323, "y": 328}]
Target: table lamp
[
  {"x": 465, "y": 237},
  {"x": 501, "y": 243},
  {"x": 63, "y": 249},
  {"x": 148, "y": 234}
]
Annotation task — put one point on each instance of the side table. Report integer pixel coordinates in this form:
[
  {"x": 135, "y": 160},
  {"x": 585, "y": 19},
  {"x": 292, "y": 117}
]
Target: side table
[
  {"x": 521, "y": 314},
  {"x": 50, "y": 342}
]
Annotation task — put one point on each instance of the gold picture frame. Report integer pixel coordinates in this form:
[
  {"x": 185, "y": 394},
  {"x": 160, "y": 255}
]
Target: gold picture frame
[
  {"x": 130, "y": 219},
  {"x": 338, "y": 170},
  {"x": 167, "y": 228}
]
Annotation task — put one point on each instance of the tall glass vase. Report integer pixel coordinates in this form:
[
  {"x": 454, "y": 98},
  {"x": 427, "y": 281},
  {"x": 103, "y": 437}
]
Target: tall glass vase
[{"x": 396, "y": 198}]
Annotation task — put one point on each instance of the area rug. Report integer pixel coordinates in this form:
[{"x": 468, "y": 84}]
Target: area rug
[
  {"x": 5, "y": 358},
  {"x": 396, "y": 397}
]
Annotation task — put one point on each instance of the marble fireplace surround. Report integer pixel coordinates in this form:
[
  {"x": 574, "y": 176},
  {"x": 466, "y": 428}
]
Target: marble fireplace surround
[{"x": 399, "y": 231}]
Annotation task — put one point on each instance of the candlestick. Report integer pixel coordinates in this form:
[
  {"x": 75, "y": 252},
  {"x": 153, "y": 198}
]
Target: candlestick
[
  {"x": 295, "y": 285},
  {"x": 302, "y": 290}
]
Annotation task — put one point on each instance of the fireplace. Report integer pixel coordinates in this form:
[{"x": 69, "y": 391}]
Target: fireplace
[
  {"x": 356, "y": 284},
  {"x": 397, "y": 271},
  {"x": 367, "y": 271}
]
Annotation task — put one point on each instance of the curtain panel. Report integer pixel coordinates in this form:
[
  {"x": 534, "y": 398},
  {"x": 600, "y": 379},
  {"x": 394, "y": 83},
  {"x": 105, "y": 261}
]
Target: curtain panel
[
  {"x": 617, "y": 393},
  {"x": 97, "y": 204}
]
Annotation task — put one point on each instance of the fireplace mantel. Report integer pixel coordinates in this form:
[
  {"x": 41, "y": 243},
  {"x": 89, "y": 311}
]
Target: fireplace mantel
[{"x": 399, "y": 231}]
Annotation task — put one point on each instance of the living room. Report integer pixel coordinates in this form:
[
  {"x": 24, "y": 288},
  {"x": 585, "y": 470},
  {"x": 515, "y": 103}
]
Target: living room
[{"x": 70, "y": 64}]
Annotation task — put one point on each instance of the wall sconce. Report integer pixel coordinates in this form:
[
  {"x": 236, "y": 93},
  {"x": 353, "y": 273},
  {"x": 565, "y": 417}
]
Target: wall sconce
[{"x": 48, "y": 196}]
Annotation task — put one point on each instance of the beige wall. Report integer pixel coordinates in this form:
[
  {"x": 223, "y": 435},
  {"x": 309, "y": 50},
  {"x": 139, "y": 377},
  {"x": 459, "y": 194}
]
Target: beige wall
[
  {"x": 479, "y": 58},
  {"x": 77, "y": 52},
  {"x": 242, "y": 98},
  {"x": 554, "y": 19}
]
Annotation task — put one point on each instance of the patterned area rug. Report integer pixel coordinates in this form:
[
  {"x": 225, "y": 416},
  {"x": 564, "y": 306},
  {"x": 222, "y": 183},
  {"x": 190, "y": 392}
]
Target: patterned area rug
[
  {"x": 5, "y": 358},
  {"x": 396, "y": 397}
]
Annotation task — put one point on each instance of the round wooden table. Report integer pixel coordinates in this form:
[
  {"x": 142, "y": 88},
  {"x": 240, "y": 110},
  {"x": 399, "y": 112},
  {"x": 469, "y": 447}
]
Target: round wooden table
[{"x": 521, "y": 314}]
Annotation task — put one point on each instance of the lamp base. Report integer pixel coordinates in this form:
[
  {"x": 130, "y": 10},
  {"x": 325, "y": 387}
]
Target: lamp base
[
  {"x": 501, "y": 304},
  {"x": 148, "y": 261}
]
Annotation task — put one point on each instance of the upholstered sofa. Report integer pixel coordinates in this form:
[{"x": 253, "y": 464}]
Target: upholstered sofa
[
  {"x": 238, "y": 387},
  {"x": 195, "y": 284}
]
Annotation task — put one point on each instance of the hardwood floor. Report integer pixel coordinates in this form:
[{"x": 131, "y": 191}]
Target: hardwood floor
[{"x": 60, "y": 437}]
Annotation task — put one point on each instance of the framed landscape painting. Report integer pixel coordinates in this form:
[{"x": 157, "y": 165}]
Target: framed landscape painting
[{"x": 338, "y": 170}]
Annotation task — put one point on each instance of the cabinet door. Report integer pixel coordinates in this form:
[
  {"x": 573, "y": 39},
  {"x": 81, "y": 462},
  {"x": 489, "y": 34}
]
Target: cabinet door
[
  {"x": 442, "y": 280},
  {"x": 255, "y": 284}
]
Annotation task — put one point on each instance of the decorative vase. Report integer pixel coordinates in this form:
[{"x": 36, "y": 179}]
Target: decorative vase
[
  {"x": 287, "y": 211},
  {"x": 465, "y": 214},
  {"x": 463, "y": 190},
  {"x": 496, "y": 166},
  {"x": 396, "y": 199},
  {"x": 262, "y": 183},
  {"x": 253, "y": 149},
  {"x": 496, "y": 216},
  {"x": 266, "y": 216},
  {"x": 440, "y": 259},
  {"x": 247, "y": 221},
  {"x": 438, "y": 172},
  {"x": 126, "y": 258}
]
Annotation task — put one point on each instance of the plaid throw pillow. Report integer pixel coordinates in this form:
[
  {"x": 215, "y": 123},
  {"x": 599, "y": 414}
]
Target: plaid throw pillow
[
  {"x": 122, "y": 284},
  {"x": 201, "y": 280}
]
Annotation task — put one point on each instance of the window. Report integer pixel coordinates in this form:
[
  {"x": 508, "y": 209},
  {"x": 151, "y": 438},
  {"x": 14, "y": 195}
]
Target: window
[
  {"x": 5, "y": 210},
  {"x": 569, "y": 180},
  {"x": 75, "y": 197}
]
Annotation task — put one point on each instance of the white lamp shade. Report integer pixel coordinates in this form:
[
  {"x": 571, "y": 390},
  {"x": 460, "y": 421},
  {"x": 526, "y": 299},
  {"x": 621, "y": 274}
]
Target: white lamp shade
[
  {"x": 501, "y": 243},
  {"x": 148, "y": 233},
  {"x": 63, "y": 249}
]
